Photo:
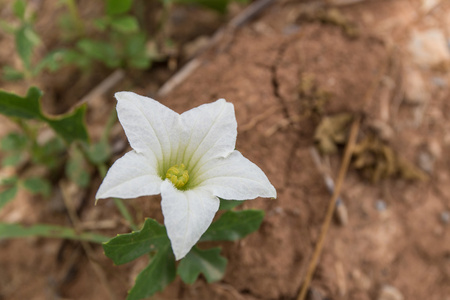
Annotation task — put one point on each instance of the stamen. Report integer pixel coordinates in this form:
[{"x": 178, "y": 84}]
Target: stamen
[{"x": 178, "y": 175}]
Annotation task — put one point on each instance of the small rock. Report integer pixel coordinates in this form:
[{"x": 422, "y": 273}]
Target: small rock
[
  {"x": 426, "y": 162},
  {"x": 291, "y": 29},
  {"x": 380, "y": 205},
  {"x": 439, "y": 81},
  {"x": 341, "y": 213},
  {"x": 429, "y": 48},
  {"x": 315, "y": 294},
  {"x": 361, "y": 280},
  {"x": 389, "y": 292},
  {"x": 445, "y": 217},
  {"x": 428, "y": 5},
  {"x": 434, "y": 148},
  {"x": 416, "y": 90},
  {"x": 382, "y": 129}
]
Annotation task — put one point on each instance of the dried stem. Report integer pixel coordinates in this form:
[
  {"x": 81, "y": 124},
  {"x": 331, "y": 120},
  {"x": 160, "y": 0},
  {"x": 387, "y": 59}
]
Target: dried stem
[
  {"x": 329, "y": 215},
  {"x": 86, "y": 246}
]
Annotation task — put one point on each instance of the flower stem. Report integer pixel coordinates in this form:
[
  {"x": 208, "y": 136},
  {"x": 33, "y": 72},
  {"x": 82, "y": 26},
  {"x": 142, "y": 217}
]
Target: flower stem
[
  {"x": 118, "y": 202},
  {"x": 75, "y": 15},
  {"x": 125, "y": 213}
]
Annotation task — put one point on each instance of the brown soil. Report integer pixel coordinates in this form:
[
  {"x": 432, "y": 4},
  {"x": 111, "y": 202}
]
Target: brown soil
[{"x": 397, "y": 234}]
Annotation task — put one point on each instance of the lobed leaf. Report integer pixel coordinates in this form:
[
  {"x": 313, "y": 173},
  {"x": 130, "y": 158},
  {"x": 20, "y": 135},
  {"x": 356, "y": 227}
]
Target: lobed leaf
[
  {"x": 8, "y": 231},
  {"x": 26, "y": 107},
  {"x": 208, "y": 262},
  {"x": 69, "y": 126},
  {"x": 156, "y": 276},
  {"x": 234, "y": 225},
  {"x": 127, "y": 247}
]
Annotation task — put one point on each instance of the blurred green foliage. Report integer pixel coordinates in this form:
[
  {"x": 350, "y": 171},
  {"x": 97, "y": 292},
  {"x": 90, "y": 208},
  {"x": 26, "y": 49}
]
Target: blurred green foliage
[{"x": 115, "y": 39}]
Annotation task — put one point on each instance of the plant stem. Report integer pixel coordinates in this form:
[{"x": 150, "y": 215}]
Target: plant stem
[
  {"x": 125, "y": 213},
  {"x": 118, "y": 202},
  {"x": 75, "y": 15},
  {"x": 329, "y": 215}
]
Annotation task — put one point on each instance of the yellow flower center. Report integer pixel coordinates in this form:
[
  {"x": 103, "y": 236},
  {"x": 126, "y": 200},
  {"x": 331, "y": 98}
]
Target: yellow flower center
[{"x": 178, "y": 175}]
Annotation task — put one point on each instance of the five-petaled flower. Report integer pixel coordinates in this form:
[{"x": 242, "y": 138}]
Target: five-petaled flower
[{"x": 189, "y": 159}]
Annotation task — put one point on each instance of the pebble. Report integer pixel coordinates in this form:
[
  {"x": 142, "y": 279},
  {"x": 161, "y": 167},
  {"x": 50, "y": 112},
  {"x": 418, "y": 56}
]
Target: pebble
[
  {"x": 416, "y": 90},
  {"x": 291, "y": 29},
  {"x": 383, "y": 130},
  {"x": 361, "y": 280},
  {"x": 439, "y": 81},
  {"x": 434, "y": 148},
  {"x": 380, "y": 205},
  {"x": 389, "y": 292},
  {"x": 445, "y": 217},
  {"x": 426, "y": 162},
  {"x": 429, "y": 48}
]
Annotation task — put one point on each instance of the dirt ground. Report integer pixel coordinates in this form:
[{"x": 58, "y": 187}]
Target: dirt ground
[{"x": 387, "y": 61}]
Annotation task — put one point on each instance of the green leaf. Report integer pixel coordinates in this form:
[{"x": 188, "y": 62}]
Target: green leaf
[
  {"x": 53, "y": 61},
  {"x": 76, "y": 168},
  {"x": 11, "y": 74},
  {"x": 28, "y": 107},
  {"x": 127, "y": 247},
  {"x": 69, "y": 126},
  {"x": 13, "y": 142},
  {"x": 100, "y": 51},
  {"x": 7, "y": 195},
  {"x": 102, "y": 23},
  {"x": 135, "y": 52},
  {"x": 218, "y": 5},
  {"x": 229, "y": 204},
  {"x": 156, "y": 276},
  {"x": 36, "y": 185},
  {"x": 234, "y": 225},
  {"x": 19, "y": 8},
  {"x": 26, "y": 39},
  {"x": 54, "y": 146},
  {"x": 116, "y": 7},
  {"x": 49, "y": 154},
  {"x": 99, "y": 153},
  {"x": 9, "y": 231},
  {"x": 12, "y": 159},
  {"x": 209, "y": 262},
  {"x": 125, "y": 24}
]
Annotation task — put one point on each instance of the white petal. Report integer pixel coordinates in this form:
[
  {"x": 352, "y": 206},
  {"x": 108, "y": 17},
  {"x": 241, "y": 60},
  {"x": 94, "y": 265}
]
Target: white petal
[
  {"x": 234, "y": 178},
  {"x": 211, "y": 132},
  {"x": 151, "y": 127},
  {"x": 187, "y": 215},
  {"x": 131, "y": 176}
]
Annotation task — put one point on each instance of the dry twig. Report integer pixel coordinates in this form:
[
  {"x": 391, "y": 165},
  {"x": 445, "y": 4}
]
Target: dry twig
[
  {"x": 326, "y": 224},
  {"x": 86, "y": 246}
]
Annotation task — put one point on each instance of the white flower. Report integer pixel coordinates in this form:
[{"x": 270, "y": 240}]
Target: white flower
[{"x": 188, "y": 158}]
